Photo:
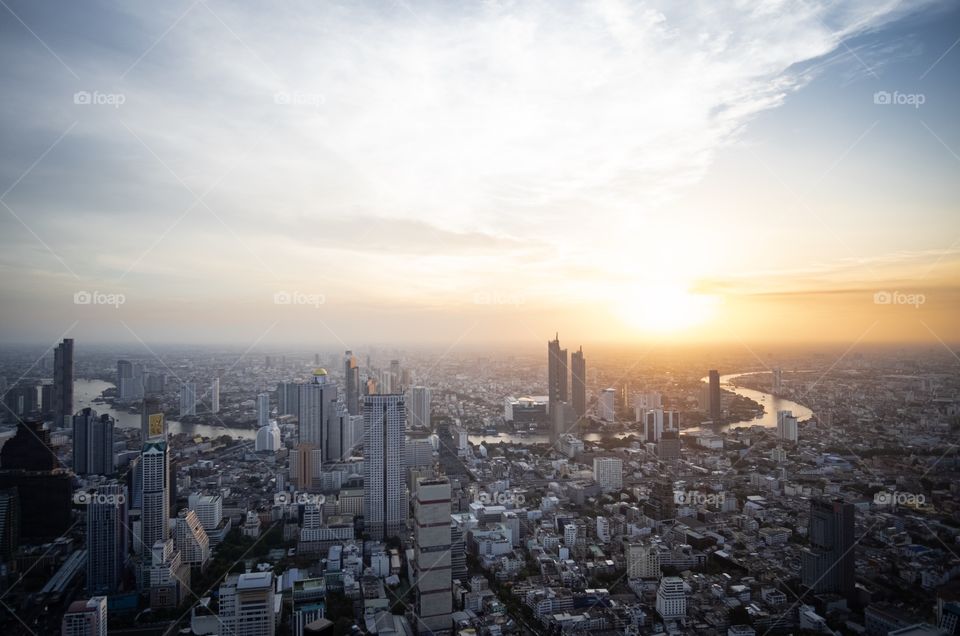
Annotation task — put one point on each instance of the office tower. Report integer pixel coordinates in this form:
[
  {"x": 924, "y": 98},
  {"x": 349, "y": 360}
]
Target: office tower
[
  {"x": 267, "y": 362},
  {"x": 556, "y": 373},
  {"x": 108, "y": 539},
  {"x": 776, "y": 386},
  {"x": 191, "y": 539},
  {"x": 188, "y": 399},
  {"x": 351, "y": 373},
  {"x": 86, "y": 618},
  {"x": 268, "y": 438},
  {"x": 9, "y": 524},
  {"x": 656, "y": 421},
  {"x": 317, "y": 407},
  {"x": 714, "y": 395},
  {"x": 827, "y": 565},
  {"x": 125, "y": 391},
  {"x": 643, "y": 561},
  {"x": 608, "y": 473},
  {"x": 92, "y": 443},
  {"x": 671, "y": 599},
  {"x": 154, "y": 499},
  {"x": 152, "y": 421},
  {"x": 418, "y": 401},
  {"x": 63, "y": 381},
  {"x": 606, "y": 405},
  {"x": 432, "y": 563},
  {"x": 263, "y": 410},
  {"x": 344, "y": 435},
  {"x": 246, "y": 605},
  {"x": 209, "y": 509},
  {"x": 668, "y": 446},
  {"x": 578, "y": 382},
  {"x": 787, "y": 426},
  {"x": 384, "y": 505},
  {"x": 215, "y": 396},
  {"x": 288, "y": 398}
]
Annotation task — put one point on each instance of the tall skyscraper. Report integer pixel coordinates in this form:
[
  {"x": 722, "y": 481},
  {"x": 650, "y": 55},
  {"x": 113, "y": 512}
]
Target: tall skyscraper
[
  {"x": 215, "y": 396},
  {"x": 432, "y": 556},
  {"x": 316, "y": 408},
  {"x": 396, "y": 376},
  {"x": 351, "y": 373},
  {"x": 263, "y": 410},
  {"x": 787, "y": 426},
  {"x": 155, "y": 475},
  {"x": 288, "y": 398},
  {"x": 86, "y": 618},
  {"x": 578, "y": 382},
  {"x": 152, "y": 421},
  {"x": 188, "y": 399},
  {"x": 92, "y": 443},
  {"x": 384, "y": 504},
  {"x": 63, "y": 382},
  {"x": 125, "y": 390},
  {"x": 827, "y": 565},
  {"x": 776, "y": 386},
  {"x": 344, "y": 435},
  {"x": 556, "y": 374},
  {"x": 715, "y": 413},
  {"x": 108, "y": 539},
  {"x": 246, "y": 605},
  {"x": 418, "y": 401}
]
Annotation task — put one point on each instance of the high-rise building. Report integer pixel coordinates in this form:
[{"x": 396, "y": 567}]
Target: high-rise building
[
  {"x": 344, "y": 436},
  {"x": 246, "y": 605},
  {"x": 608, "y": 472},
  {"x": 191, "y": 539},
  {"x": 776, "y": 385},
  {"x": 108, "y": 539},
  {"x": 125, "y": 381},
  {"x": 92, "y": 443},
  {"x": 288, "y": 398},
  {"x": 418, "y": 403},
  {"x": 268, "y": 438},
  {"x": 63, "y": 382},
  {"x": 606, "y": 405},
  {"x": 578, "y": 382},
  {"x": 215, "y": 396},
  {"x": 188, "y": 399},
  {"x": 384, "y": 505},
  {"x": 643, "y": 561},
  {"x": 351, "y": 373},
  {"x": 317, "y": 407},
  {"x": 152, "y": 421},
  {"x": 714, "y": 395},
  {"x": 263, "y": 410},
  {"x": 86, "y": 618},
  {"x": 827, "y": 565},
  {"x": 787, "y": 426},
  {"x": 209, "y": 509},
  {"x": 556, "y": 374},
  {"x": 671, "y": 599},
  {"x": 655, "y": 421},
  {"x": 21, "y": 402},
  {"x": 432, "y": 557},
  {"x": 154, "y": 499}
]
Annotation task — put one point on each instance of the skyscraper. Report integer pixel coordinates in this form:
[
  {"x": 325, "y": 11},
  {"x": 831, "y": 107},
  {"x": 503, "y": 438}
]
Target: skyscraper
[
  {"x": 432, "y": 558},
  {"x": 776, "y": 386},
  {"x": 827, "y": 565},
  {"x": 191, "y": 539},
  {"x": 155, "y": 473},
  {"x": 215, "y": 396},
  {"x": 418, "y": 399},
  {"x": 107, "y": 538},
  {"x": 288, "y": 398},
  {"x": 384, "y": 505},
  {"x": 578, "y": 381},
  {"x": 263, "y": 410},
  {"x": 316, "y": 407},
  {"x": 188, "y": 399},
  {"x": 152, "y": 421},
  {"x": 92, "y": 443},
  {"x": 125, "y": 390},
  {"x": 606, "y": 405},
  {"x": 246, "y": 605},
  {"x": 715, "y": 413},
  {"x": 556, "y": 374},
  {"x": 86, "y": 618},
  {"x": 787, "y": 426},
  {"x": 351, "y": 373},
  {"x": 63, "y": 382}
]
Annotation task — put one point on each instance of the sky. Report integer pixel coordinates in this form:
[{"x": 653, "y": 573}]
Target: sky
[{"x": 443, "y": 173}]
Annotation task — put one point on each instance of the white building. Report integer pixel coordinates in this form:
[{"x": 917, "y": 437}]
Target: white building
[
  {"x": 155, "y": 495},
  {"x": 606, "y": 405},
  {"x": 786, "y": 426},
  {"x": 209, "y": 509},
  {"x": 608, "y": 472},
  {"x": 603, "y": 529},
  {"x": 268, "y": 438},
  {"x": 191, "y": 539},
  {"x": 671, "y": 599},
  {"x": 247, "y": 605}
]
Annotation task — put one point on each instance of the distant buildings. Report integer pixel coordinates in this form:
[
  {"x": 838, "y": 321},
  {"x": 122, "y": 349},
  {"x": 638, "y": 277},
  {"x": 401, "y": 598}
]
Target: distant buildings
[
  {"x": 63, "y": 382},
  {"x": 155, "y": 514},
  {"x": 418, "y": 407},
  {"x": 556, "y": 375},
  {"x": 578, "y": 381},
  {"x": 385, "y": 506},
  {"x": 787, "y": 426},
  {"x": 776, "y": 385},
  {"x": 714, "y": 396},
  {"x": 608, "y": 473},
  {"x": 351, "y": 374},
  {"x": 263, "y": 410},
  {"x": 188, "y": 399},
  {"x": 432, "y": 558},
  {"x": 215, "y": 396},
  {"x": 129, "y": 381},
  {"x": 606, "y": 405}
]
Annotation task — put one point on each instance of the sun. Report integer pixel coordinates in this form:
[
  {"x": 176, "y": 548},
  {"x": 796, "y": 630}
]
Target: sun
[{"x": 666, "y": 308}]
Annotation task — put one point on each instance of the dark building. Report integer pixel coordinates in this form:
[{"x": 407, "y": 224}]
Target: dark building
[
  {"x": 715, "y": 413},
  {"x": 92, "y": 443},
  {"x": 556, "y": 374},
  {"x": 668, "y": 448},
  {"x": 63, "y": 382},
  {"x": 21, "y": 402},
  {"x": 9, "y": 523},
  {"x": 578, "y": 382},
  {"x": 662, "y": 503},
  {"x": 827, "y": 565}
]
